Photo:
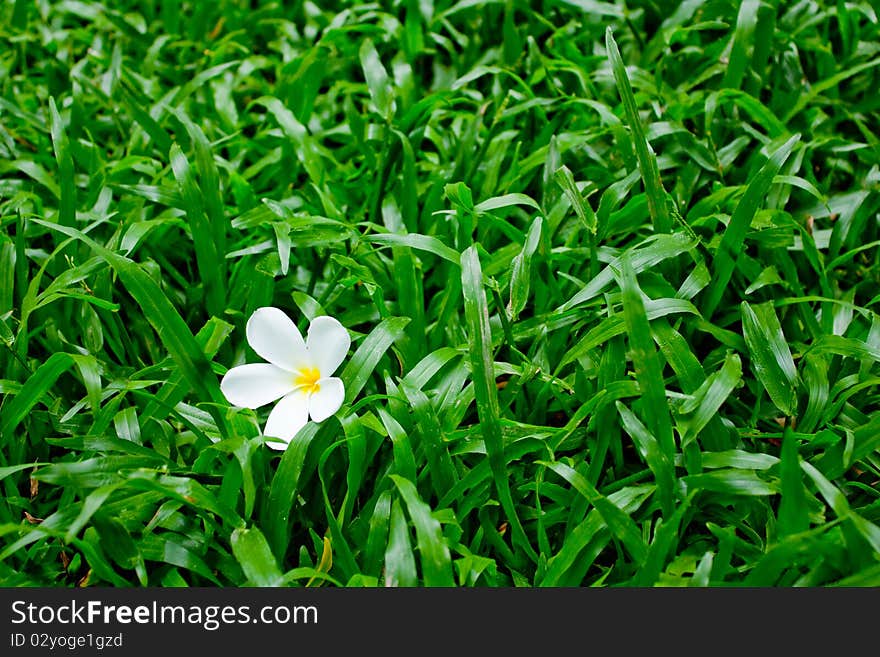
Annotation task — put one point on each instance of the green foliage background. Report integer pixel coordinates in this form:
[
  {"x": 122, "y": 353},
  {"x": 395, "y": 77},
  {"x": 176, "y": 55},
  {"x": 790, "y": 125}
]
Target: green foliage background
[{"x": 610, "y": 270}]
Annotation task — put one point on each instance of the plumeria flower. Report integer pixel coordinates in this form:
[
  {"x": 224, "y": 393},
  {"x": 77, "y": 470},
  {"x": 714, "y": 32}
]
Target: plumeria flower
[{"x": 298, "y": 372}]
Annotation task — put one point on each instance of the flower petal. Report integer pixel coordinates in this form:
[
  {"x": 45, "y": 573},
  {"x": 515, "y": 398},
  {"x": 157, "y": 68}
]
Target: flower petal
[
  {"x": 327, "y": 343},
  {"x": 254, "y": 385},
  {"x": 274, "y": 336},
  {"x": 289, "y": 416},
  {"x": 327, "y": 400}
]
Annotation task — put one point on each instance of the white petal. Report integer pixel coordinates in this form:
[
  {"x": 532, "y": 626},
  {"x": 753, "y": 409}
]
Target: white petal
[
  {"x": 254, "y": 385},
  {"x": 328, "y": 343},
  {"x": 289, "y": 416},
  {"x": 328, "y": 399},
  {"x": 274, "y": 336}
]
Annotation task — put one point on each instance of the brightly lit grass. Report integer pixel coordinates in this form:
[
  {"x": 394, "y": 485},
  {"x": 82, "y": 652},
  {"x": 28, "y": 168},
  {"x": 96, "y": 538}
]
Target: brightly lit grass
[{"x": 611, "y": 276}]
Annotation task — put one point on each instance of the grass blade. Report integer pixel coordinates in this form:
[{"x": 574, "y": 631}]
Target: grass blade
[
  {"x": 646, "y": 360},
  {"x": 793, "y": 516},
  {"x": 521, "y": 270},
  {"x": 770, "y": 355},
  {"x": 400, "y": 562},
  {"x": 433, "y": 551},
  {"x": 381, "y": 90},
  {"x": 618, "y": 521},
  {"x": 709, "y": 397},
  {"x": 211, "y": 266},
  {"x": 482, "y": 371},
  {"x": 37, "y": 385},
  {"x": 730, "y": 247},
  {"x": 649, "y": 448},
  {"x": 654, "y": 191},
  {"x": 359, "y": 369},
  {"x": 283, "y": 489},
  {"x": 739, "y": 60},
  {"x": 253, "y": 554},
  {"x": 66, "y": 183},
  {"x": 644, "y": 256}
]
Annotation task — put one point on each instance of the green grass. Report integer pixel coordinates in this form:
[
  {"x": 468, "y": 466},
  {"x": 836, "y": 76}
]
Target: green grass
[{"x": 610, "y": 272}]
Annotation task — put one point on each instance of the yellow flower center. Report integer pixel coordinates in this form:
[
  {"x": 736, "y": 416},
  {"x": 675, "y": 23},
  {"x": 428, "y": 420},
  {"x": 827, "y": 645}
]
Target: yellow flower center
[{"x": 307, "y": 378}]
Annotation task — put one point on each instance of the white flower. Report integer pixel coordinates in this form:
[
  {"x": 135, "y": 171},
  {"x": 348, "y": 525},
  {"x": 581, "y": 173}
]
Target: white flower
[{"x": 298, "y": 372}]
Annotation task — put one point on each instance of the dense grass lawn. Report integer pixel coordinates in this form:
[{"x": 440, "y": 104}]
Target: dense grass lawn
[{"x": 610, "y": 270}]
